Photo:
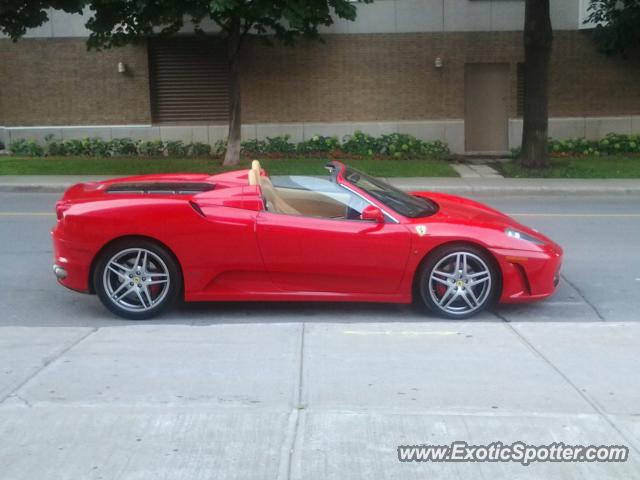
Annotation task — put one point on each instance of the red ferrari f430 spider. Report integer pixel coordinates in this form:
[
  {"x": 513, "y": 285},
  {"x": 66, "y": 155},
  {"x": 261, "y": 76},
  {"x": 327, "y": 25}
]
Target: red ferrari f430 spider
[{"x": 142, "y": 243}]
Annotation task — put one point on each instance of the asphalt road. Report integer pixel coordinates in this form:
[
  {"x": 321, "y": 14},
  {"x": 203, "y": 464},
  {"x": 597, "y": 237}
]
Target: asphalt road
[
  {"x": 600, "y": 277},
  {"x": 320, "y": 391}
]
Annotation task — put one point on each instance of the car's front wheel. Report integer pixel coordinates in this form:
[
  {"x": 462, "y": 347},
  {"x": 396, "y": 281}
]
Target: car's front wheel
[
  {"x": 458, "y": 281},
  {"x": 137, "y": 279}
]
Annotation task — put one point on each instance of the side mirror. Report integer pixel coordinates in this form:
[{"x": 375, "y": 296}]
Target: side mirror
[{"x": 372, "y": 214}]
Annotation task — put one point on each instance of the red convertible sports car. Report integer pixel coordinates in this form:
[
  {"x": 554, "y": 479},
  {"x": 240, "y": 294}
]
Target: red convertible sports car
[{"x": 142, "y": 243}]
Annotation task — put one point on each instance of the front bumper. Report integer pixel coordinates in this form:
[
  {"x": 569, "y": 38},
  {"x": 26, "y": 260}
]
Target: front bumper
[{"x": 529, "y": 276}]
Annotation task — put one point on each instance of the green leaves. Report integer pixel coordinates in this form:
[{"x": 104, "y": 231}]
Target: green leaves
[
  {"x": 617, "y": 22},
  {"x": 118, "y": 22},
  {"x": 118, "y": 147},
  {"x": 17, "y": 16},
  {"x": 396, "y": 145},
  {"x": 612, "y": 144}
]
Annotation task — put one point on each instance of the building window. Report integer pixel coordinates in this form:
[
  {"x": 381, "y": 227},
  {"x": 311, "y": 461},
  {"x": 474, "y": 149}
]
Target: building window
[
  {"x": 189, "y": 81},
  {"x": 520, "y": 91}
]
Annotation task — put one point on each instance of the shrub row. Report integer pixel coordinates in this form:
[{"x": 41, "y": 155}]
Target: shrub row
[
  {"x": 613, "y": 143},
  {"x": 395, "y": 145},
  {"x": 118, "y": 147}
]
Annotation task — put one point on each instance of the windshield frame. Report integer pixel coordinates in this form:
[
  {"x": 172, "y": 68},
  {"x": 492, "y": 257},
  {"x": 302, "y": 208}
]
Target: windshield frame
[{"x": 341, "y": 173}]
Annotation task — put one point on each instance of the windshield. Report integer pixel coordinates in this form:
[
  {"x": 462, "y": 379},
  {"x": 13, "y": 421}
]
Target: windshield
[{"x": 397, "y": 200}]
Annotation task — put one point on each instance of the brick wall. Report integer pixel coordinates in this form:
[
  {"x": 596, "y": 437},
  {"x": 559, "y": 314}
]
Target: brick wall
[
  {"x": 358, "y": 77},
  {"x": 392, "y": 77},
  {"x": 57, "y": 82}
]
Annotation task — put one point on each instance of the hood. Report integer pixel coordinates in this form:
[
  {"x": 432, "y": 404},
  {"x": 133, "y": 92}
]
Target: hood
[{"x": 464, "y": 211}]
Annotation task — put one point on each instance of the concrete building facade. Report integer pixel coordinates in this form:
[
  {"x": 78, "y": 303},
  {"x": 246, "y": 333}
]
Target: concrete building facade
[{"x": 437, "y": 69}]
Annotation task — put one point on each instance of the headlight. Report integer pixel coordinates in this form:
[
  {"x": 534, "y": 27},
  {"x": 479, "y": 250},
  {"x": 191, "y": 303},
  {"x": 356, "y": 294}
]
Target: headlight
[{"x": 522, "y": 236}]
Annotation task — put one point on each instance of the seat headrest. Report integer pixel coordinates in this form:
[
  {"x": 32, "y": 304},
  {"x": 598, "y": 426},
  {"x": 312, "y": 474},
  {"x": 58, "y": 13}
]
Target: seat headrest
[{"x": 254, "y": 177}]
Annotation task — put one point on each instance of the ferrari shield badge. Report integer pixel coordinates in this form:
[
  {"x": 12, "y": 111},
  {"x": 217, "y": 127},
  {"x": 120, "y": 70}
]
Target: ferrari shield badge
[{"x": 421, "y": 229}]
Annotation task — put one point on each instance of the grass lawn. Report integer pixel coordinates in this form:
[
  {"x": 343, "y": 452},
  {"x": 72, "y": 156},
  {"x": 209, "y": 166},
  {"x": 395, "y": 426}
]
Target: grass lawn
[
  {"x": 135, "y": 165},
  {"x": 623, "y": 166}
]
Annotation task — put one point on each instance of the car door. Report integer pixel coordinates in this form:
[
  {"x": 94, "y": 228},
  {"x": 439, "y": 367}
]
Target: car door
[{"x": 310, "y": 254}]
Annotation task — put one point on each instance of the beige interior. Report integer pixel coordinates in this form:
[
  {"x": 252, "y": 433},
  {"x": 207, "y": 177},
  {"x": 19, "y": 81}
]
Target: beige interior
[
  {"x": 312, "y": 204},
  {"x": 273, "y": 201},
  {"x": 292, "y": 201}
]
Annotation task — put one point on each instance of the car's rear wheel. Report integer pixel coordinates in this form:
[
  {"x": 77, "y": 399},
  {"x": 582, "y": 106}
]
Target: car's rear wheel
[
  {"x": 137, "y": 279},
  {"x": 458, "y": 281}
]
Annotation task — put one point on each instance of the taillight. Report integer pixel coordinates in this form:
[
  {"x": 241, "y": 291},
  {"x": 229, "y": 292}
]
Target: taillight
[{"x": 61, "y": 207}]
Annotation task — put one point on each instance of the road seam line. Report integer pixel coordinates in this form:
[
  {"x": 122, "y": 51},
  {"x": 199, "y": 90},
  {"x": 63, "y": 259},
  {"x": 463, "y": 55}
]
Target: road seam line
[
  {"x": 45, "y": 364},
  {"x": 293, "y": 424},
  {"x": 588, "y": 302},
  {"x": 566, "y": 378},
  {"x": 27, "y": 214}
]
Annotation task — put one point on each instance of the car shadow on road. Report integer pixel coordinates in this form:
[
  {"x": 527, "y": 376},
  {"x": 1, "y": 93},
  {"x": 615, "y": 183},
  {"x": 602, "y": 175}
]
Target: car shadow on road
[
  {"x": 55, "y": 307},
  {"x": 286, "y": 312},
  {"x": 86, "y": 311}
]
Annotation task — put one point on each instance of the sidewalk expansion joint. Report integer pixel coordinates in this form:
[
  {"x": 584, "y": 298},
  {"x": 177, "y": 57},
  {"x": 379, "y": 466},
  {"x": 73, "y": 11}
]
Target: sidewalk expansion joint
[
  {"x": 583, "y": 297},
  {"x": 592, "y": 403},
  {"x": 45, "y": 364},
  {"x": 293, "y": 425}
]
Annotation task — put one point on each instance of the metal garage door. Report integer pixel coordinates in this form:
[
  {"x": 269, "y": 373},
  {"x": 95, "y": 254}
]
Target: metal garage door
[{"x": 189, "y": 80}]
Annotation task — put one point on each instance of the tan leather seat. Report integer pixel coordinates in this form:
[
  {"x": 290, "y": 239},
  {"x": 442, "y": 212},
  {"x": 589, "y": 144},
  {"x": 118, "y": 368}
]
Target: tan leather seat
[{"x": 273, "y": 201}]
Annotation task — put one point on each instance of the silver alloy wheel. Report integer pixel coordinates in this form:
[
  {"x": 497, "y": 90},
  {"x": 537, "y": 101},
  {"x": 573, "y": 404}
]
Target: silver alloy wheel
[
  {"x": 136, "y": 279},
  {"x": 460, "y": 283}
]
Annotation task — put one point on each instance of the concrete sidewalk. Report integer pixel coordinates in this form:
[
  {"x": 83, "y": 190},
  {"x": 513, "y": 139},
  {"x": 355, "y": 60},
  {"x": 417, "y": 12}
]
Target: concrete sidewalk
[
  {"x": 312, "y": 400},
  {"x": 487, "y": 185}
]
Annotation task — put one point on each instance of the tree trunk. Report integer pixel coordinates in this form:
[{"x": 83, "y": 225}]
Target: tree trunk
[
  {"x": 232, "y": 154},
  {"x": 538, "y": 39}
]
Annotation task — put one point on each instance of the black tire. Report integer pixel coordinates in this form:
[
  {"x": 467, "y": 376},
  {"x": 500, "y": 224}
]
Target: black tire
[
  {"x": 482, "y": 294},
  {"x": 139, "y": 304}
]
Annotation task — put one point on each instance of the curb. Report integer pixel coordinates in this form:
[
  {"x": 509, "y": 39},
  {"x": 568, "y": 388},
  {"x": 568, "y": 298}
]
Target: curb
[
  {"x": 33, "y": 188},
  {"x": 510, "y": 190}
]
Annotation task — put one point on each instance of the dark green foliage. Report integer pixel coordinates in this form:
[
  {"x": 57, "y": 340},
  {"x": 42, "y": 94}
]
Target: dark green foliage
[
  {"x": 114, "y": 23},
  {"x": 176, "y": 148},
  {"x": 612, "y": 144},
  {"x": 397, "y": 145},
  {"x": 27, "y": 148},
  {"x": 123, "y": 147},
  {"x": 359, "y": 144},
  {"x": 617, "y": 22},
  {"x": 118, "y": 147},
  {"x": 319, "y": 143},
  {"x": 198, "y": 149},
  {"x": 153, "y": 148}
]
